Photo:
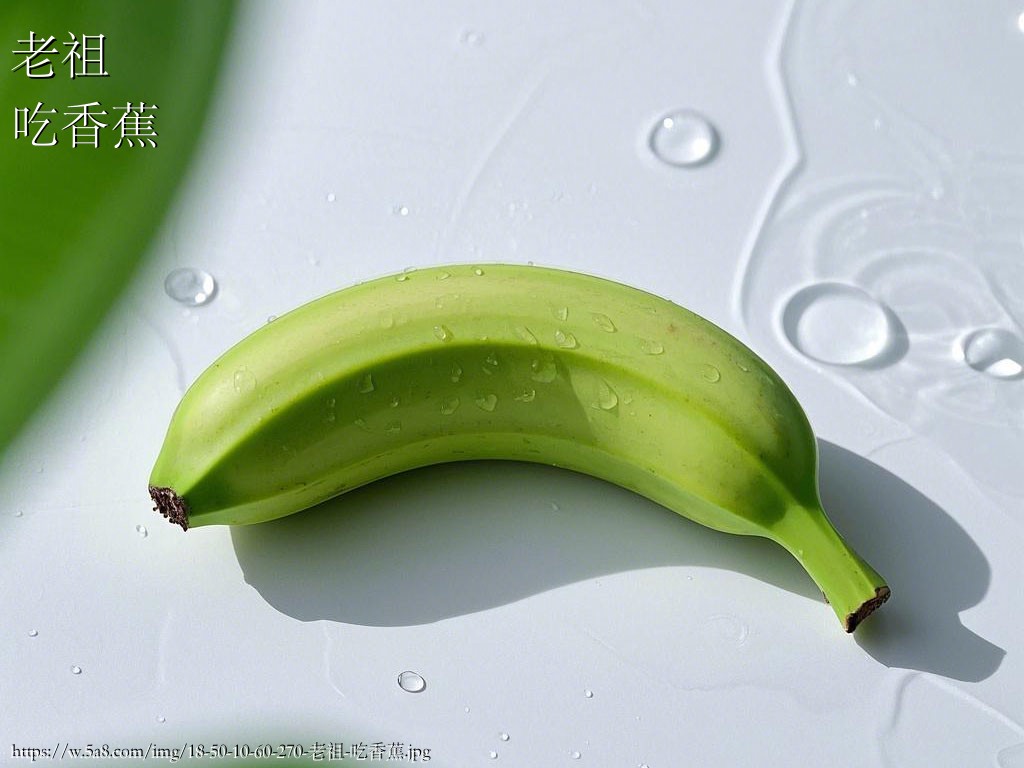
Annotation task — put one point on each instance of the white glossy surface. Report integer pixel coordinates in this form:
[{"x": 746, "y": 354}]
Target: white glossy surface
[{"x": 879, "y": 145}]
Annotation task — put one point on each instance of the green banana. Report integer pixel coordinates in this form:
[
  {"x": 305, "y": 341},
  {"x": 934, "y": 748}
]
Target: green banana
[{"x": 506, "y": 362}]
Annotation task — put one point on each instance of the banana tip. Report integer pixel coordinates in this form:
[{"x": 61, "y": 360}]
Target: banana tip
[
  {"x": 170, "y": 505},
  {"x": 868, "y": 607}
]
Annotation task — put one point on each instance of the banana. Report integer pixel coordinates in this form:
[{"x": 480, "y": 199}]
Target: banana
[{"x": 506, "y": 362}]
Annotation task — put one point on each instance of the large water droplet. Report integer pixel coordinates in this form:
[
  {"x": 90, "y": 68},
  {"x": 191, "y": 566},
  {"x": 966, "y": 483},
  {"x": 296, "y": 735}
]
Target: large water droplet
[
  {"x": 449, "y": 405},
  {"x": 411, "y": 681},
  {"x": 443, "y": 332},
  {"x": 486, "y": 402},
  {"x": 543, "y": 371},
  {"x": 244, "y": 381},
  {"x": 565, "y": 339},
  {"x": 709, "y": 373},
  {"x": 189, "y": 286},
  {"x": 141, "y": 530},
  {"x": 839, "y": 324},
  {"x": 607, "y": 399},
  {"x": 651, "y": 347},
  {"x": 366, "y": 384},
  {"x": 525, "y": 334},
  {"x": 684, "y": 138},
  {"x": 995, "y": 352},
  {"x": 603, "y": 322}
]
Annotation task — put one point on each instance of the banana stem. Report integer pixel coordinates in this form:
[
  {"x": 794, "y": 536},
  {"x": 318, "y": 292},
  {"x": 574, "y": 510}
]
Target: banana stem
[{"x": 852, "y": 587}]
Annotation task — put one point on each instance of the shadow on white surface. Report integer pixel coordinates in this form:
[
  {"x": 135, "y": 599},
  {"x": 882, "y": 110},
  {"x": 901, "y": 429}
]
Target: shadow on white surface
[
  {"x": 458, "y": 538},
  {"x": 933, "y": 566}
]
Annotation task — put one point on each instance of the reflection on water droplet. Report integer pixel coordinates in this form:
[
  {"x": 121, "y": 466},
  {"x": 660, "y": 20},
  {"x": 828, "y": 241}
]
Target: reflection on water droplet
[
  {"x": 525, "y": 334},
  {"x": 607, "y": 399},
  {"x": 995, "y": 352},
  {"x": 710, "y": 373},
  {"x": 244, "y": 381},
  {"x": 400, "y": 210},
  {"x": 839, "y": 324},
  {"x": 449, "y": 405},
  {"x": 684, "y": 139},
  {"x": 477, "y": 271},
  {"x": 33, "y": 633},
  {"x": 443, "y": 332},
  {"x": 189, "y": 286},
  {"x": 651, "y": 347},
  {"x": 486, "y": 402},
  {"x": 562, "y": 313},
  {"x": 366, "y": 384},
  {"x": 543, "y": 371},
  {"x": 526, "y": 396},
  {"x": 330, "y": 197},
  {"x": 411, "y": 681},
  {"x": 141, "y": 530},
  {"x": 588, "y": 693},
  {"x": 76, "y": 670},
  {"x": 604, "y": 322},
  {"x": 503, "y": 736},
  {"x": 565, "y": 340},
  {"x": 456, "y": 373}
]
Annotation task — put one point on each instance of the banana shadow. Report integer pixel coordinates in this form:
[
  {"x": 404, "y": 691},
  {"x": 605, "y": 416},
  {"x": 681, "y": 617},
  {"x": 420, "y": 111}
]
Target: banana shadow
[
  {"x": 932, "y": 565},
  {"x": 460, "y": 538}
]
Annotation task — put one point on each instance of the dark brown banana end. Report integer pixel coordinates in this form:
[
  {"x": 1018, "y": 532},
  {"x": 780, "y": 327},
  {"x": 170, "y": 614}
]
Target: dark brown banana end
[{"x": 170, "y": 505}]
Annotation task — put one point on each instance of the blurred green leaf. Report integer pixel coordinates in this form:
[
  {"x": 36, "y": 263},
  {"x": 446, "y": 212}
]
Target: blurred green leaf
[{"x": 74, "y": 221}]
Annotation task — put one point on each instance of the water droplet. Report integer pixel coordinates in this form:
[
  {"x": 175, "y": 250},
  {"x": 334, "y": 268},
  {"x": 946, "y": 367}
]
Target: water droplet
[
  {"x": 576, "y": 755},
  {"x": 456, "y": 373},
  {"x": 19, "y": 513},
  {"x": 331, "y": 415},
  {"x": 493, "y": 755},
  {"x": 189, "y": 286},
  {"x": 995, "y": 352},
  {"x": 477, "y": 271},
  {"x": 443, "y": 275},
  {"x": 710, "y": 373},
  {"x": 400, "y": 210},
  {"x": 543, "y": 371},
  {"x": 141, "y": 530},
  {"x": 411, "y": 681},
  {"x": 685, "y": 139},
  {"x": 33, "y": 633},
  {"x": 562, "y": 313},
  {"x": 607, "y": 399},
  {"x": 465, "y": 709},
  {"x": 313, "y": 261},
  {"x": 330, "y": 197},
  {"x": 486, "y": 402},
  {"x": 651, "y": 347},
  {"x": 565, "y": 340},
  {"x": 449, "y": 405},
  {"x": 394, "y": 401},
  {"x": 366, "y": 384},
  {"x": 877, "y": 124},
  {"x": 402, "y": 277},
  {"x": 503, "y": 736},
  {"x": 554, "y": 506},
  {"x": 490, "y": 363},
  {"x": 526, "y": 396},
  {"x": 472, "y": 37},
  {"x": 838, "y": 324},
  {"x": 271, "y": 318},
  {"x": 161, "y": 719},
  {"x": 1020, "y": 22},
  {"x": 443, "y": 332},
  {"x": 588, "y": 693},
  {"x": 604, "y": 322},
  {"x": 76, "y": 670},
  {"x": 244, "y": 381},
  {"x": 361, "y": 423},
  {"x": 525, "y": 334},
  {"x": 852, "y": 80}
]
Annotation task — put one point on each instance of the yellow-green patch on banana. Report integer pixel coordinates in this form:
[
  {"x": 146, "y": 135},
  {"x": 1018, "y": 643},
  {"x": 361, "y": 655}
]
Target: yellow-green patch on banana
[{"x": 506, "y": 362}]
